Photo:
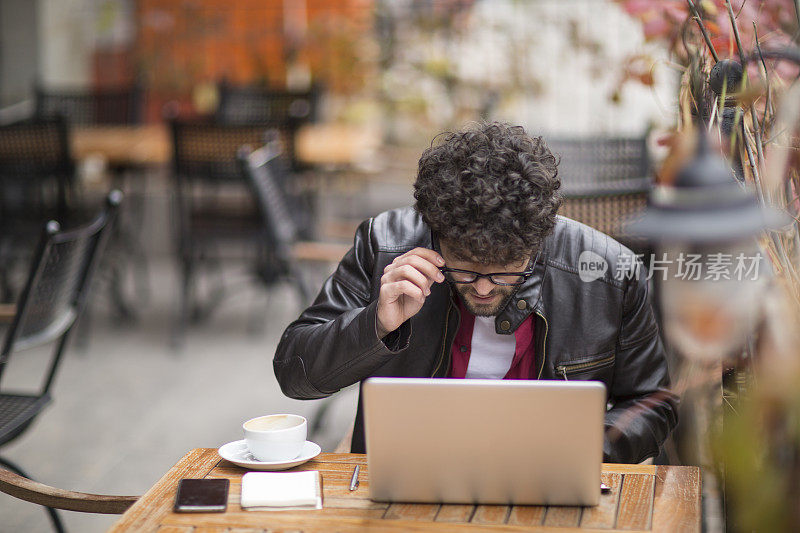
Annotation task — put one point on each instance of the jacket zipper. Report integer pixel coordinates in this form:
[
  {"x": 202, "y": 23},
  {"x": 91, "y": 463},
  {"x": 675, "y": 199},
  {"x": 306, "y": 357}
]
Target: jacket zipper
[
  {"x": 544, "y": 344},
  {"x": 563, "y": 369},
  {"x": 444, "y": 341}
]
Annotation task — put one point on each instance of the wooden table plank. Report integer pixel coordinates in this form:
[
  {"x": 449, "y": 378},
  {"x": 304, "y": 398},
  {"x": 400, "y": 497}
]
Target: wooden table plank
[
  {"x": 159, "y": 499},
  {"x": 226, "y": 470},
  {"x": 333, "y": 466},
  {"x": 454, "y": 513},
  {"x": 635, "y": 502},
  {"x": 622, "y": 468},
  {"x": 341, "y": 490},
  {"x": 491, "y": 514},
  {"x": 412, "y": 511},
  {"x": 176, "y": 529},
  {"x": 349, "y": 458},
  {"x": 562, "y": 516},
  {"x": 677, "y": 505},
  {"x": 604, "y": 515},
  {"x": 353, "y": 503},
  {"x": 527, "y": 515}
]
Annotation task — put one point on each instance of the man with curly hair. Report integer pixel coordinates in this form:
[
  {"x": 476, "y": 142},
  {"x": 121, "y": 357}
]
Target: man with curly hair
[{"x": 480, "y": 279}]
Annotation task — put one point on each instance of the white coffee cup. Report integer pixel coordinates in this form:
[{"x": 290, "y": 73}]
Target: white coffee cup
[{"x": 275, "y": 437}]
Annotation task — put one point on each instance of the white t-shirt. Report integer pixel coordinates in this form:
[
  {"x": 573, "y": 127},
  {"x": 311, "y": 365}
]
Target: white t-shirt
[{"x": 491, "y": 354}]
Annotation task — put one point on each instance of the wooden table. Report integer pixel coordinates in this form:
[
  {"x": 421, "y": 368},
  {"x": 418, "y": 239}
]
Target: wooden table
[
  {"x": 151, "y": 145},
  {"x": 642, "y": 498},
  {"x": 139, "y": 145},
  {"x": 335, "y": 144}
]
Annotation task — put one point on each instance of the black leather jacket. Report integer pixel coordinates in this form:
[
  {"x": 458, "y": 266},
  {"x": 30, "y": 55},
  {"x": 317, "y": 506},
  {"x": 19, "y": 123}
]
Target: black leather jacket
[{"x": 600, "y": 330}]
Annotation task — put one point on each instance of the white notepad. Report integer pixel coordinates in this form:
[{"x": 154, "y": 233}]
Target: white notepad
[{"x": 281, "y": 490}]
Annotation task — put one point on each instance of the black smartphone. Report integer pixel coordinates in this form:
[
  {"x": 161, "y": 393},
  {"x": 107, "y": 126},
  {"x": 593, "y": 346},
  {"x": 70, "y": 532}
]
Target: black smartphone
[{"x": 202, "y": 496}]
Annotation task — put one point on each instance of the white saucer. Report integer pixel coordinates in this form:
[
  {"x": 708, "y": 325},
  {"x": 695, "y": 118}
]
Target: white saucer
[{"x": 237, "y": 453}]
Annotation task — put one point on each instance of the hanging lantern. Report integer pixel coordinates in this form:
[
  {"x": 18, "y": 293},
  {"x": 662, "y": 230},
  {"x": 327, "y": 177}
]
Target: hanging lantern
[{"x": 705, "y": 226}]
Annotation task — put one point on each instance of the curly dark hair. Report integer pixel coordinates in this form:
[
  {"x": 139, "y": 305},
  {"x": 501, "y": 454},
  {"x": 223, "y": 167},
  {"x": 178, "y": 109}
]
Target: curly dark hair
[{"x": 490, "y": 191}]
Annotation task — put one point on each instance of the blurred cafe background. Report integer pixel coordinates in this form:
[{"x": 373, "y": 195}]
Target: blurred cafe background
[{"x": 222, "y": 153}]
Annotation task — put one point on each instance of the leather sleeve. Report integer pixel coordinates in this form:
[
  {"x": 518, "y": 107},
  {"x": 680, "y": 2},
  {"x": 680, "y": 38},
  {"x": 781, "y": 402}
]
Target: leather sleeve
[
  {"x": 644, "y": 410},
  {"x": 334, "y": 342}
]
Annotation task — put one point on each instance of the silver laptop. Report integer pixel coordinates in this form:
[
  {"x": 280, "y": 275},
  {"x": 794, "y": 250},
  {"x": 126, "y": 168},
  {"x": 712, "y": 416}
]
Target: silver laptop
[{"x": 484, "y": 440}]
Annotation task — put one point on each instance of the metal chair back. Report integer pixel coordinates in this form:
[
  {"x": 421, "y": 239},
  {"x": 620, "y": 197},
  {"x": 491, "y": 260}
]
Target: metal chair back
[
  {"x": 212, "y": 199},
  {"x": 36, "y": 171},
  {"x": 57, "y": 287},
  {"x": 90, "y": 107},
  {"x": 604, "y": 181},
  {"x": 254, "y": 105},
  {"x": 601, "y": 163},
  {"x": 205, "y": 151},
  {"x": 261, "y": 167},
  {"x": 283, "y": 110}
]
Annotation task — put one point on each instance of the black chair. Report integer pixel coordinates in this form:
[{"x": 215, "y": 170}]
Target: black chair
[
  {"x": 90, "y": 106},
  {"x": 604, "y": 182},
  {"x": 53, "y": 298},
  {"x": 256, "y": 104},
  {"x": 215, "y": 215},
  {"x": 284, "y": 110},
  {"x": 278, "y": 231},
  {"x": 36, "y": 185},
  {"x": 600, "y": 161},
  {"x": 119, "y": 106},
  {"x": 280, "y": 246}
]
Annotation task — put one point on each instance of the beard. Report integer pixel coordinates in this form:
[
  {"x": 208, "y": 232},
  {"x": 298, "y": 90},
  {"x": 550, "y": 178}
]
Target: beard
[{"x": 502, "y": 294}]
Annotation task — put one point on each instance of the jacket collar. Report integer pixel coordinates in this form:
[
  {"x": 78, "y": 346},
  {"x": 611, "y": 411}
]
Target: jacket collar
[{"x": 527, "y": 299}]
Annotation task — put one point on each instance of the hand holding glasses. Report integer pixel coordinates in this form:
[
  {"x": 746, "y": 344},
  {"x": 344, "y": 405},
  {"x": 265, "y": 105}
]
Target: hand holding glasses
[
  {"x": 407, "y": 281},
  {"x": 405, "y": 284}
]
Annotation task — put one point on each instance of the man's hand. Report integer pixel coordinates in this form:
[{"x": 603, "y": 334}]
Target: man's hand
[{"x": 405, "y": 284}]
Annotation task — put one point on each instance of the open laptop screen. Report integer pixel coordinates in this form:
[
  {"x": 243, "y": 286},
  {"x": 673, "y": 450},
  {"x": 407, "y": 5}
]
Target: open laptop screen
[{"x": 484, "y": 441}]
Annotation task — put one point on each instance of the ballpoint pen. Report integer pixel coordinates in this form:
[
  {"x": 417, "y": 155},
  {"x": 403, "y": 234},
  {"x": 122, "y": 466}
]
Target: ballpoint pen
[{"x": 354, "y": 479}]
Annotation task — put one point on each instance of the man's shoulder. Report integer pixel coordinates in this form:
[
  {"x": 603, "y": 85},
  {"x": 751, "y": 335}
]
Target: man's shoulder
[
  {"x": 580, "y": 249},
  {"x": 399, "y": 230}
]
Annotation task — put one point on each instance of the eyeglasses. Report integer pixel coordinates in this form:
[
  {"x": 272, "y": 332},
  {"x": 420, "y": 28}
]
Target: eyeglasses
[{"x": 457, "y": 275}]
